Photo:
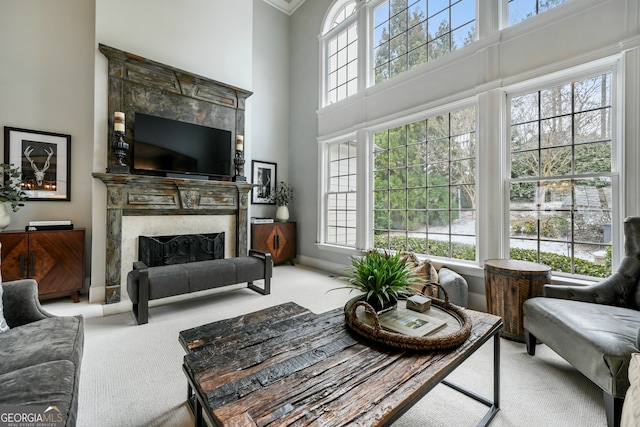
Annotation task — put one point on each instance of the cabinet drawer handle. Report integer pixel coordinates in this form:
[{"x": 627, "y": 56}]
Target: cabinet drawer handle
[
  {"x": 32, "y": 264},
  {"x": 22, "y": 274}
]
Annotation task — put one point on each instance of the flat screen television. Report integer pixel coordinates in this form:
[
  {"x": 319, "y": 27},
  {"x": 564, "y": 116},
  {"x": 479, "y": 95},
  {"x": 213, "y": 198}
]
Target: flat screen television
[{"x": 164, "y": 146}]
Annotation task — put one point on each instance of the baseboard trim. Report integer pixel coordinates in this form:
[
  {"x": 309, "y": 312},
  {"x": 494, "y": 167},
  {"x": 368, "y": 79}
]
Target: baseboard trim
[{"x": 318, "y": 264}]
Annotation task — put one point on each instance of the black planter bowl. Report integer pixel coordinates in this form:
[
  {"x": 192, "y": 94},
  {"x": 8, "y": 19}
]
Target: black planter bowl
[{"x": 388, "y": 303}]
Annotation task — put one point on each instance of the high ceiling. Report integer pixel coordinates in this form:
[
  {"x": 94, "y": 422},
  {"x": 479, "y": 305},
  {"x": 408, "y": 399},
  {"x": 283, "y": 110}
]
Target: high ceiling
[{"x": 287, "y": 6}]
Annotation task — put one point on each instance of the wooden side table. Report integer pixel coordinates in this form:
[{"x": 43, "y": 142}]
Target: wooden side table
[{"x": 508, "y": 284}]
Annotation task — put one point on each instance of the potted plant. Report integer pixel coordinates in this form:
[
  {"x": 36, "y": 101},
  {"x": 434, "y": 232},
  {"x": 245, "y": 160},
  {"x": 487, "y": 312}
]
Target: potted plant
[
  {"x": 10, "y": 191},
  {"x": 381, "y": 277},
  {"x": 282, "y": 196}
]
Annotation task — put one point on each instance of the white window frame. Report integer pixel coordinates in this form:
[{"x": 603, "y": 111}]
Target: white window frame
[
  {"x": 359, "y": 137},
  {"x": 411, "y": 118},
  {"x": 607, "y": 65},
  {"x": 329, "y": 33}
]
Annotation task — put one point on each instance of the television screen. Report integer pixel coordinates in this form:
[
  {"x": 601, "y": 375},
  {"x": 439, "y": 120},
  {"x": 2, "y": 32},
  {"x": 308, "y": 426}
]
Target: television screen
[{"x": 165, "y": 145}]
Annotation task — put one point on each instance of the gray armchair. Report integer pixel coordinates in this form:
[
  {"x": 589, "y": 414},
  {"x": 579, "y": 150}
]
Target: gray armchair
[{"x": 594, "y": 328}]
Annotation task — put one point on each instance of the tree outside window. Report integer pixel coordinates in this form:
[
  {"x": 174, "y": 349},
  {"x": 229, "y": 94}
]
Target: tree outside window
[
  {"x": 561, "y": 169},
  {"x": 424, "y": 186}
]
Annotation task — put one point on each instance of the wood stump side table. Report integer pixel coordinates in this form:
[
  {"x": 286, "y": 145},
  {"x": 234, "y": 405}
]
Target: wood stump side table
[{"x": 508, "y": 284}]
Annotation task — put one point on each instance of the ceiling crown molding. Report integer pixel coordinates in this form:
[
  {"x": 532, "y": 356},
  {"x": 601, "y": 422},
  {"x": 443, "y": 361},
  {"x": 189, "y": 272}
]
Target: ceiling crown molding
[{"x": 286, "y": 6}]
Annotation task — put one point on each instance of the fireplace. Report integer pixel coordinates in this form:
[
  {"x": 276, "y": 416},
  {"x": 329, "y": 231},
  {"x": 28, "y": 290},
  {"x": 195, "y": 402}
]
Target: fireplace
[
  {"x": 137, "y": 84},
  {"x": 224, "y": 204}
]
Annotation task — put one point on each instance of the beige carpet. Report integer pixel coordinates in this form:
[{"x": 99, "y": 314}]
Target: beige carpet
[{"x": 132, "y": 375}]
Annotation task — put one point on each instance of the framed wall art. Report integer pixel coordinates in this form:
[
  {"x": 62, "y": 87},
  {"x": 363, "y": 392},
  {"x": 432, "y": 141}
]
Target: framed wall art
[
  {"x": 264, "y": 176},
  {"x": 44, "y": 160}
]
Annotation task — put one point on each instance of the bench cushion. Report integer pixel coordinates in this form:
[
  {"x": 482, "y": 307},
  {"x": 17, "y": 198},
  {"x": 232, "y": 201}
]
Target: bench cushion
[
  {"x": 596, "y": 339},
  {"x": 248, "y": 269},
  {"x": 210, "y": 274},
  {"x": 168, "y": 280}
]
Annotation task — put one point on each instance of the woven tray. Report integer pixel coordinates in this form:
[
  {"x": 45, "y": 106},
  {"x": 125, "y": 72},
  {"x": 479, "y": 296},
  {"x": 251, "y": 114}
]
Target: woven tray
[{"x": 406, "y": 342}]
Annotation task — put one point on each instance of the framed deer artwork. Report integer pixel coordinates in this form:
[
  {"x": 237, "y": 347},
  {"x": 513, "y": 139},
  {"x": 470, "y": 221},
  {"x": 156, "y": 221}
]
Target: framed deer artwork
[{"x": 44, "y": 160}]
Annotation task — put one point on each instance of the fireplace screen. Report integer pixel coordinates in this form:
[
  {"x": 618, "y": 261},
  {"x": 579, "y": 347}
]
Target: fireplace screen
[{"x": 179, "y": 249}]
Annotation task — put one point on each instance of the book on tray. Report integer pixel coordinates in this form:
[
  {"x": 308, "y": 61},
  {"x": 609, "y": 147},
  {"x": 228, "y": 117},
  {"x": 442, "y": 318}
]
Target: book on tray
[{"x": 410, "y": 322}]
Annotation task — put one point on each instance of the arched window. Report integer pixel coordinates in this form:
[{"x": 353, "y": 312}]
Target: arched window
[{"x": 340, "y": 52}]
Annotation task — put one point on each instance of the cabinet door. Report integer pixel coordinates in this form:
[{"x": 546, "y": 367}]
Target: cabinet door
[
  {"x": 261, "y": 237},
  {"x": 285, "y": 236},
  {"x": 15, "y": 248},
  {"x": 56, "y": 261}
]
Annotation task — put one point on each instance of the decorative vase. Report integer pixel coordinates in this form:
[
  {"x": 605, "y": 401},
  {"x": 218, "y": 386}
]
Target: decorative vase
[
  {"x": 282, "y": 213},
  {"x": 5, "y": 218}
]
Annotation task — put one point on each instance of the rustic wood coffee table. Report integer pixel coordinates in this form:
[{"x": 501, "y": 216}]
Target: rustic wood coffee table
[{"x": 288, "y": 366}]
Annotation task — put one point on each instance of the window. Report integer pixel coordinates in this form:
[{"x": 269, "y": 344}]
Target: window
[
  {"x": 424, "y": 186},
  {"x": 341, "y": 48},
  {"x": 341, "y": 195},
  {"x": 408, "y": 33},
  {"x": 519, "y": 10},
  {"x": 561, "y": 192}
]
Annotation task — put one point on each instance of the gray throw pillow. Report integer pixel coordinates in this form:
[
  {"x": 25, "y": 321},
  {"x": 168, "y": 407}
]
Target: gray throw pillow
[{"x": 3, "y": 323}]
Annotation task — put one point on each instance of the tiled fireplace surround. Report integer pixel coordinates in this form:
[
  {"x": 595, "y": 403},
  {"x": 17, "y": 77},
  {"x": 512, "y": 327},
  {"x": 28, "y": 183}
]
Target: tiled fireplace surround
[{"x": 152, "y": 205}]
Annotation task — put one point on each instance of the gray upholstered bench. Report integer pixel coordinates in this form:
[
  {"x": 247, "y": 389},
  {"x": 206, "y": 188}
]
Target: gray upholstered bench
[{"x": 149, "y": 283}]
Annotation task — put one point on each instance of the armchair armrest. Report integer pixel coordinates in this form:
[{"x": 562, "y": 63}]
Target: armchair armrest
[
  {"x": 20, "y": 303},
  {"x": 614, "y": 290}
]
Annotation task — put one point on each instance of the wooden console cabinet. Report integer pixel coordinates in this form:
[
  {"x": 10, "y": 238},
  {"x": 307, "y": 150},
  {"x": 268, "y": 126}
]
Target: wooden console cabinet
[
  {"x": 54, "y": 258},
  {"x": 277, "y": 238}
]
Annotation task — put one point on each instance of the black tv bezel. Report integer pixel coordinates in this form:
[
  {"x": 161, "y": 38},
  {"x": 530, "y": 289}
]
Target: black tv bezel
[{"x": 182, "y": 174}]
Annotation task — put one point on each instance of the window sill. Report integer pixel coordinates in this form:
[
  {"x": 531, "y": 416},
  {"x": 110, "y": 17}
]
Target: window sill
[{"x": 339, "y": 249}]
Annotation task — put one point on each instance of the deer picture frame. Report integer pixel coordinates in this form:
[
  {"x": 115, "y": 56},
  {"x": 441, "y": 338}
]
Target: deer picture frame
[{"x": 44, "y": 161}]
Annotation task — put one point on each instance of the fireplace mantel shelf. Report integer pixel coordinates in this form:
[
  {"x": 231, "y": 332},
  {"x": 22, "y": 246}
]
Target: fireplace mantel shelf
[{"x": 129, "y": 195}]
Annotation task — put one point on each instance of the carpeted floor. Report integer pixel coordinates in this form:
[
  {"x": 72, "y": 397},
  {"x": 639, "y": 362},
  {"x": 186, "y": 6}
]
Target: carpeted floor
[{"x": 132, "y": 375}]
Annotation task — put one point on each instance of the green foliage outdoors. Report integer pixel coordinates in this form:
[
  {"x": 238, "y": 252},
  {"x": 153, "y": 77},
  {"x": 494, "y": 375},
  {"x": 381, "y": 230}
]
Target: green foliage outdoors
[{"x": 460, "y": 251}]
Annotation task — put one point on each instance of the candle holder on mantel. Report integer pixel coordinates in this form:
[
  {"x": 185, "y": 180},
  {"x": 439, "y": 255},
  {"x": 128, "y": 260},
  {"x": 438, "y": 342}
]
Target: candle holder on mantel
[
  {"x": 238, "y": 161},
  {"x": 119, "y": 150}
]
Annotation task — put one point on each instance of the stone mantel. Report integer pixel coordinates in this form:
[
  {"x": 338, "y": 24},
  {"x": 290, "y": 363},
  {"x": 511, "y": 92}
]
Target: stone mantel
[{"x": 141, "y": 195}]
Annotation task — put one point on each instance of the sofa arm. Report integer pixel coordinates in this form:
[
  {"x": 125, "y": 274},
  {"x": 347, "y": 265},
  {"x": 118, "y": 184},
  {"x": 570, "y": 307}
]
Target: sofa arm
[{"x": 20, "y": 302}]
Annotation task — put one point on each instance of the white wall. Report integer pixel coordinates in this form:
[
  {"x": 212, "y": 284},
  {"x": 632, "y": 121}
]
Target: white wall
[
  {"x": 46, "y": 84},
  {"x": 269, "y": 111},
  {"x": 212, "y": 39}
]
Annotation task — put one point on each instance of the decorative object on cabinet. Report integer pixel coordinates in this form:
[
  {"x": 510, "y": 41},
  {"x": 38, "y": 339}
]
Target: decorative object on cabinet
[
  {"x": 43, "y": 159},
  {"x": 54, "y": 258},
  {"x": 278, "y": 238},
  {"x": 283, "y": 195},
  {"x": 264, "y": 176},
  {"x": 11, "y": 190}
]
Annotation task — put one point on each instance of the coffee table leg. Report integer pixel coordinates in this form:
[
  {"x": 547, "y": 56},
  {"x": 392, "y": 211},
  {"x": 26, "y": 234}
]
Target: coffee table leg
[
  {"x": 494, "y": 406},
  {"x": 198, "y": 414}
]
